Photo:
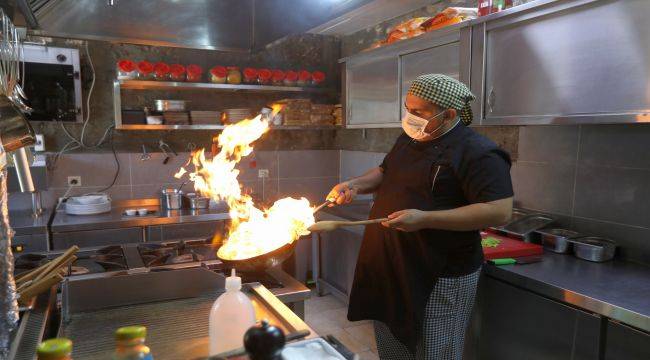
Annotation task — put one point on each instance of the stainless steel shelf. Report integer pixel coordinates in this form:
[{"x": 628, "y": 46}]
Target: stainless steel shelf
[
  {"x": 172, "y": 85},
  {"x": 216, "y": 127}
]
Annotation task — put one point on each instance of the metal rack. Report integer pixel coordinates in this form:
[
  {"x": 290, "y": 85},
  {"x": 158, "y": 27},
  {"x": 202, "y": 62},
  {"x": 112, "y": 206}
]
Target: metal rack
[{"x": 118, "y": 85}]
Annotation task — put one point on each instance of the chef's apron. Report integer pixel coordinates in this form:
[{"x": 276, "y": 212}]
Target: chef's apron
[{"x": 396, "y": 271}]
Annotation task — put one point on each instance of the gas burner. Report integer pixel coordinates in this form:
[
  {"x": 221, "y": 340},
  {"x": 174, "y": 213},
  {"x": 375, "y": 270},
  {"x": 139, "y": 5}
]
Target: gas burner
[
  {"x": 179, "y": 252},
  {"x": 109, "y": 258}
]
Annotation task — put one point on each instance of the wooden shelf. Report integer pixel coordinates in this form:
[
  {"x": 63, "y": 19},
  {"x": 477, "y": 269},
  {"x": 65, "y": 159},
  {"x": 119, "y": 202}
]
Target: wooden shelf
[{"x": 172, "y": 85}]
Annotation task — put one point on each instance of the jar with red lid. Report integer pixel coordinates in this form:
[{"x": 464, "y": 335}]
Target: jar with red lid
[
  {"x": 250, "y": 75},
  {"x": 177, "y": 72},
  {"x": 126, "y": 69},
  {"x": 194, "y": 72},
  {"x": 218, "y": 74},
  {"x": 145, "y": 70},
  {"x": 291, "y": 78},
  {"x": 234, "y": 75},
  {"x": 317, "y": 78},
  {"x": 161, "y": 71},
  {"x": 278, "y": 77},
  {"x": 264, "y": 76},
  {"x": 304, "y": 78}
]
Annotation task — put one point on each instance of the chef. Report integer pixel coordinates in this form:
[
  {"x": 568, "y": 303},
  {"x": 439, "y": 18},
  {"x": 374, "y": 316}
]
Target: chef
[{"x": 417, "y": 273}]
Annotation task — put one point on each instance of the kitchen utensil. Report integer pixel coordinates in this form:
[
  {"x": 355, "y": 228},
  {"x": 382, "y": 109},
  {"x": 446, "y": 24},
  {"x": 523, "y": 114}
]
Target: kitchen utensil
[
  {"x": 556, "y": 240},
  {"x": 524, "y": 227},
  {"x": 509, "y": 248},
  {"x": 169, "y": 105},
  {"x": 198, "y": 202},
  {"x": 323, "y": 205},
  {"x": 145, "y": 155},
  {"x": 261, "y": 262},
  {"x": 15, "y": 130},
  {"x": 171, "y": 199},
  {"x": 166, "y": 149},
  {"x": 593, "y": 248},
  {"x": 264, "y": 341},
  {"x": 333, "y": 224}
]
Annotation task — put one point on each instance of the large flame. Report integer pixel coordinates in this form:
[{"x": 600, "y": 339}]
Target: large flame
[{"x": 252, "y": 231}]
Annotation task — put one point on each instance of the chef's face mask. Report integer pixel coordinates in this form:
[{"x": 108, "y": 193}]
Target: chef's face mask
[{"x": 414, "y": 126}]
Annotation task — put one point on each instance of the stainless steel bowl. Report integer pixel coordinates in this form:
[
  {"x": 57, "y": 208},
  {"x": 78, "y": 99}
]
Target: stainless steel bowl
[
  {"x": 557, "y": 240},
  {"x": 197, "y": 201},
  {"x": 169, "y": 105},
  {"x": 593, "y": 248}
]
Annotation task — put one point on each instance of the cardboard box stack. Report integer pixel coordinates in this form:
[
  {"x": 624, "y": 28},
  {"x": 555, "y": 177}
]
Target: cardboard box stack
[
  {"x": 295, "y": 111},
  {"x": 321, "y": 114},
  {"x": 338, "y": 115}
]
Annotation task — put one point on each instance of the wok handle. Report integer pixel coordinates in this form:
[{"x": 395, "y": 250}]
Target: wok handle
[{"x": 366, "y": 222}]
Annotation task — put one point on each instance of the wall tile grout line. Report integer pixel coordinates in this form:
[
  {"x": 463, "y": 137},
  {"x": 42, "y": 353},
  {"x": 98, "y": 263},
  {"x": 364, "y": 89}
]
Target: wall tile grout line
[{"x": 575, "y": 174}]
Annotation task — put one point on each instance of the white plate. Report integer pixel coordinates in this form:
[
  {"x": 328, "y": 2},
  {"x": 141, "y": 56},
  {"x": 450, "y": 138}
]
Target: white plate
[{"x": 90, "y": 209}]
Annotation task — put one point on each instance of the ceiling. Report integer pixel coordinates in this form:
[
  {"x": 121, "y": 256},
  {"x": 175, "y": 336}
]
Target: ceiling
[{"x": 229, "y": 25}]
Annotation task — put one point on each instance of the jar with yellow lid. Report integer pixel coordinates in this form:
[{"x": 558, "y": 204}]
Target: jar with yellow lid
[
  {"x": 55, "y": 349},
  {"x": 129, "y": 344},
  {"x": 234, "y": 75}
]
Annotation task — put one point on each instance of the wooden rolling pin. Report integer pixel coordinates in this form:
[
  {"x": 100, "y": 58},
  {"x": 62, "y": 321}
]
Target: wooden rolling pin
[{"x": 333, "y": 225}]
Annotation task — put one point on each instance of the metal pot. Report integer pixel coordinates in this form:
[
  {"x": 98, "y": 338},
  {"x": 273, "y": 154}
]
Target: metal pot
[
  {"x": 593, "y": 248},
  {"x": 262, "y": 262},
  {"x": 557, "y": 240},
  {"x": 15, "y": 130},
  {"x": 197, "y": 201},
  {"x": 169, "y": 105},
  {"x": 171, "y": 199}
]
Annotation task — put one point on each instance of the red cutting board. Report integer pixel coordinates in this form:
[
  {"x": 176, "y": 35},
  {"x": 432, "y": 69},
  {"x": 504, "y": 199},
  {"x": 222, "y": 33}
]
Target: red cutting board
[{"x": 509, "y": 248}]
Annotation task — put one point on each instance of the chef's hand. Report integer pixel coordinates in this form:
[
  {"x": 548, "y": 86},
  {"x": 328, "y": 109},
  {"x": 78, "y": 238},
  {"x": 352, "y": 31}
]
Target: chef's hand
[
  {"x": 342, "y": 193},
  {"x": 406, "y": 220}
]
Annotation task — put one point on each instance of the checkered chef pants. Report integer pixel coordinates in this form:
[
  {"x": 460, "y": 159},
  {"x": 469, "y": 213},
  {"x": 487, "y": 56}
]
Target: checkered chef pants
[{"x": 445, "y": 320}]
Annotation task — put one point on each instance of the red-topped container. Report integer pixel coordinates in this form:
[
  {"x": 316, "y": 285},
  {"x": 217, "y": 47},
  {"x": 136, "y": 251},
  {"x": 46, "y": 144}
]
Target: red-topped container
[
  {"x": 250, "y": 75},
  {"x": 161, "y": 71},
  {"x": 145, "y": 70},
  {"x": 177, "y": 72},
  {"x": 194, "y": 73},
  {"x": 218, "y": 74},
  {"x": 304, "y": 78},
  {"x": 278, "y": 77},
  {"x": 264, "y": 76},
  {"x": 126, "y": 69},
  {"x": 291, "y": 78},
  {"x": 317, "y": 77}
]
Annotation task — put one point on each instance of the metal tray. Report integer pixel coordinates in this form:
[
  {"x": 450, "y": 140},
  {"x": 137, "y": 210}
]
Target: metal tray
[
  {"x": 517, "y": 214},
  {"x": 527, "y": 225}
]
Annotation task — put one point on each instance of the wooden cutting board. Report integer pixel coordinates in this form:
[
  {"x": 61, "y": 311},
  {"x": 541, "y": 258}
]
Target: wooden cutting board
[{"x": 509, "y": 248}]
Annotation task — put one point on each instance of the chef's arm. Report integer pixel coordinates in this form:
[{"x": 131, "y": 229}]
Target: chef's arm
[
  {"x": 471, "y": 217},
  {"x": 364, "y": 184}
]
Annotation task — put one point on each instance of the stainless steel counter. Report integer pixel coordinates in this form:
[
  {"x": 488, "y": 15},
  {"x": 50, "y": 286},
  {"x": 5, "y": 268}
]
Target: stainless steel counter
[
  {"x": 618, "y": 290},
  {"x": 24, "y": 223},
  {"x": 63, "y": 222}
]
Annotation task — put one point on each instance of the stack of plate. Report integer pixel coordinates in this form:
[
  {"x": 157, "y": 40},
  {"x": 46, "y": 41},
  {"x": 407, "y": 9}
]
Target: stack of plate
[
  {"x": 88, "y": 204},
  {"x": 231, "y": 116},
  {"x": 205, "y": 117}
]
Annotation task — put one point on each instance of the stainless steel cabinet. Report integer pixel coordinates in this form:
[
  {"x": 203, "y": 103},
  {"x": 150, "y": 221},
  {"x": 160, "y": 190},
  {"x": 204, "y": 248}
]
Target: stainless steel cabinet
[
  {"x": 90, "y": 238},
  {"x": 511, "y": 323},
  {"x": 339, "y": 250},
  {"x": 372, "y": 91},
  {"x": 196, "y": 230},
  {"x": 574, "y": 61},
  {"x": 624, "y": 342},
  {"x": 443, "y": 59}
]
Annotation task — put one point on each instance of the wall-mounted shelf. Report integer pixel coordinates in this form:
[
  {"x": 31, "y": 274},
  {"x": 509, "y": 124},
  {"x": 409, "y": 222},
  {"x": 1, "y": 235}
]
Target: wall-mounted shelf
[{"x": 172, "y": 85}]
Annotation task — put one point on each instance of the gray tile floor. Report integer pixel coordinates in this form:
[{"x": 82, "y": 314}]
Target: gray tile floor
[{"x": 328, "y": 316}]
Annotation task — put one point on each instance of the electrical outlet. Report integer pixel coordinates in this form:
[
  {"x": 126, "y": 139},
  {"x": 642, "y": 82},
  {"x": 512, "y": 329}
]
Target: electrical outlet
[
  {"x": 40, "y": 142},
  {"x": 74, "y": 180},
  {"x": 263, "y": 173}
]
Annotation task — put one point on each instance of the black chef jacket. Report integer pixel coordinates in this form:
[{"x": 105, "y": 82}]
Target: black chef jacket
[{"x": 396, "y": 271}]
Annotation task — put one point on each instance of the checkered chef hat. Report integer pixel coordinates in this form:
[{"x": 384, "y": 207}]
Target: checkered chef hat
[{"x": 445, "y": 92}]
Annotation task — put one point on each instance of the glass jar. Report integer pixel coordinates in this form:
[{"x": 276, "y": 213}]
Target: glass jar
[
  {"x": 194, "y": 73},
  {"x": 126, "y": 69},
  {"x": 234, "y": 75},
  {"x": 304, "y": 78},
  {"x": 317, "y": 78},
  {"x": 145, "y": 70},
  {"x": 55, "y": 349},
  {"x": 129, "y": 344},
  {"x": 264, "y": 76},
  {"x": 278, "y": 77},
  {"x": 290, "y": 78},
  {"x": 250, "y": 76},
  {"x": 161, "y": 71},
  {"x": 218, "y": 74},
  {"x": 177, "y": 72}
]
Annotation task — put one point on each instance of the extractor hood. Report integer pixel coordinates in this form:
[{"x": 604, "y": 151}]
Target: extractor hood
[{"x": 228, "y": 25}]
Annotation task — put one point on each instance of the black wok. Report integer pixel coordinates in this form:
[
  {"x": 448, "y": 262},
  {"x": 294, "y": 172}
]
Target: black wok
[{"x": 261, "y": 262}]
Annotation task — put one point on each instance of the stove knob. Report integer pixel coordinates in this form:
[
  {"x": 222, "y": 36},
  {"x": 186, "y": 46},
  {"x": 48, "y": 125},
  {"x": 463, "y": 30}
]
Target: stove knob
[{"x": 264, "y": 342}]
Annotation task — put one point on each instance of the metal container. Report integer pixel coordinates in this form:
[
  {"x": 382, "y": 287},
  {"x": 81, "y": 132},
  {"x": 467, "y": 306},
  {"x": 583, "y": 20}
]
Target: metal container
[
  {"x": 171, "y": 199},
  {"x": 15, "y": 130},
  {"x": 169, "y": 105},
  {"x": 593, "y": 248},
  {"x": 197, "y": 201},
  {"x": 527, "y": 225},
  {"x": 557, "y": 240}
]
